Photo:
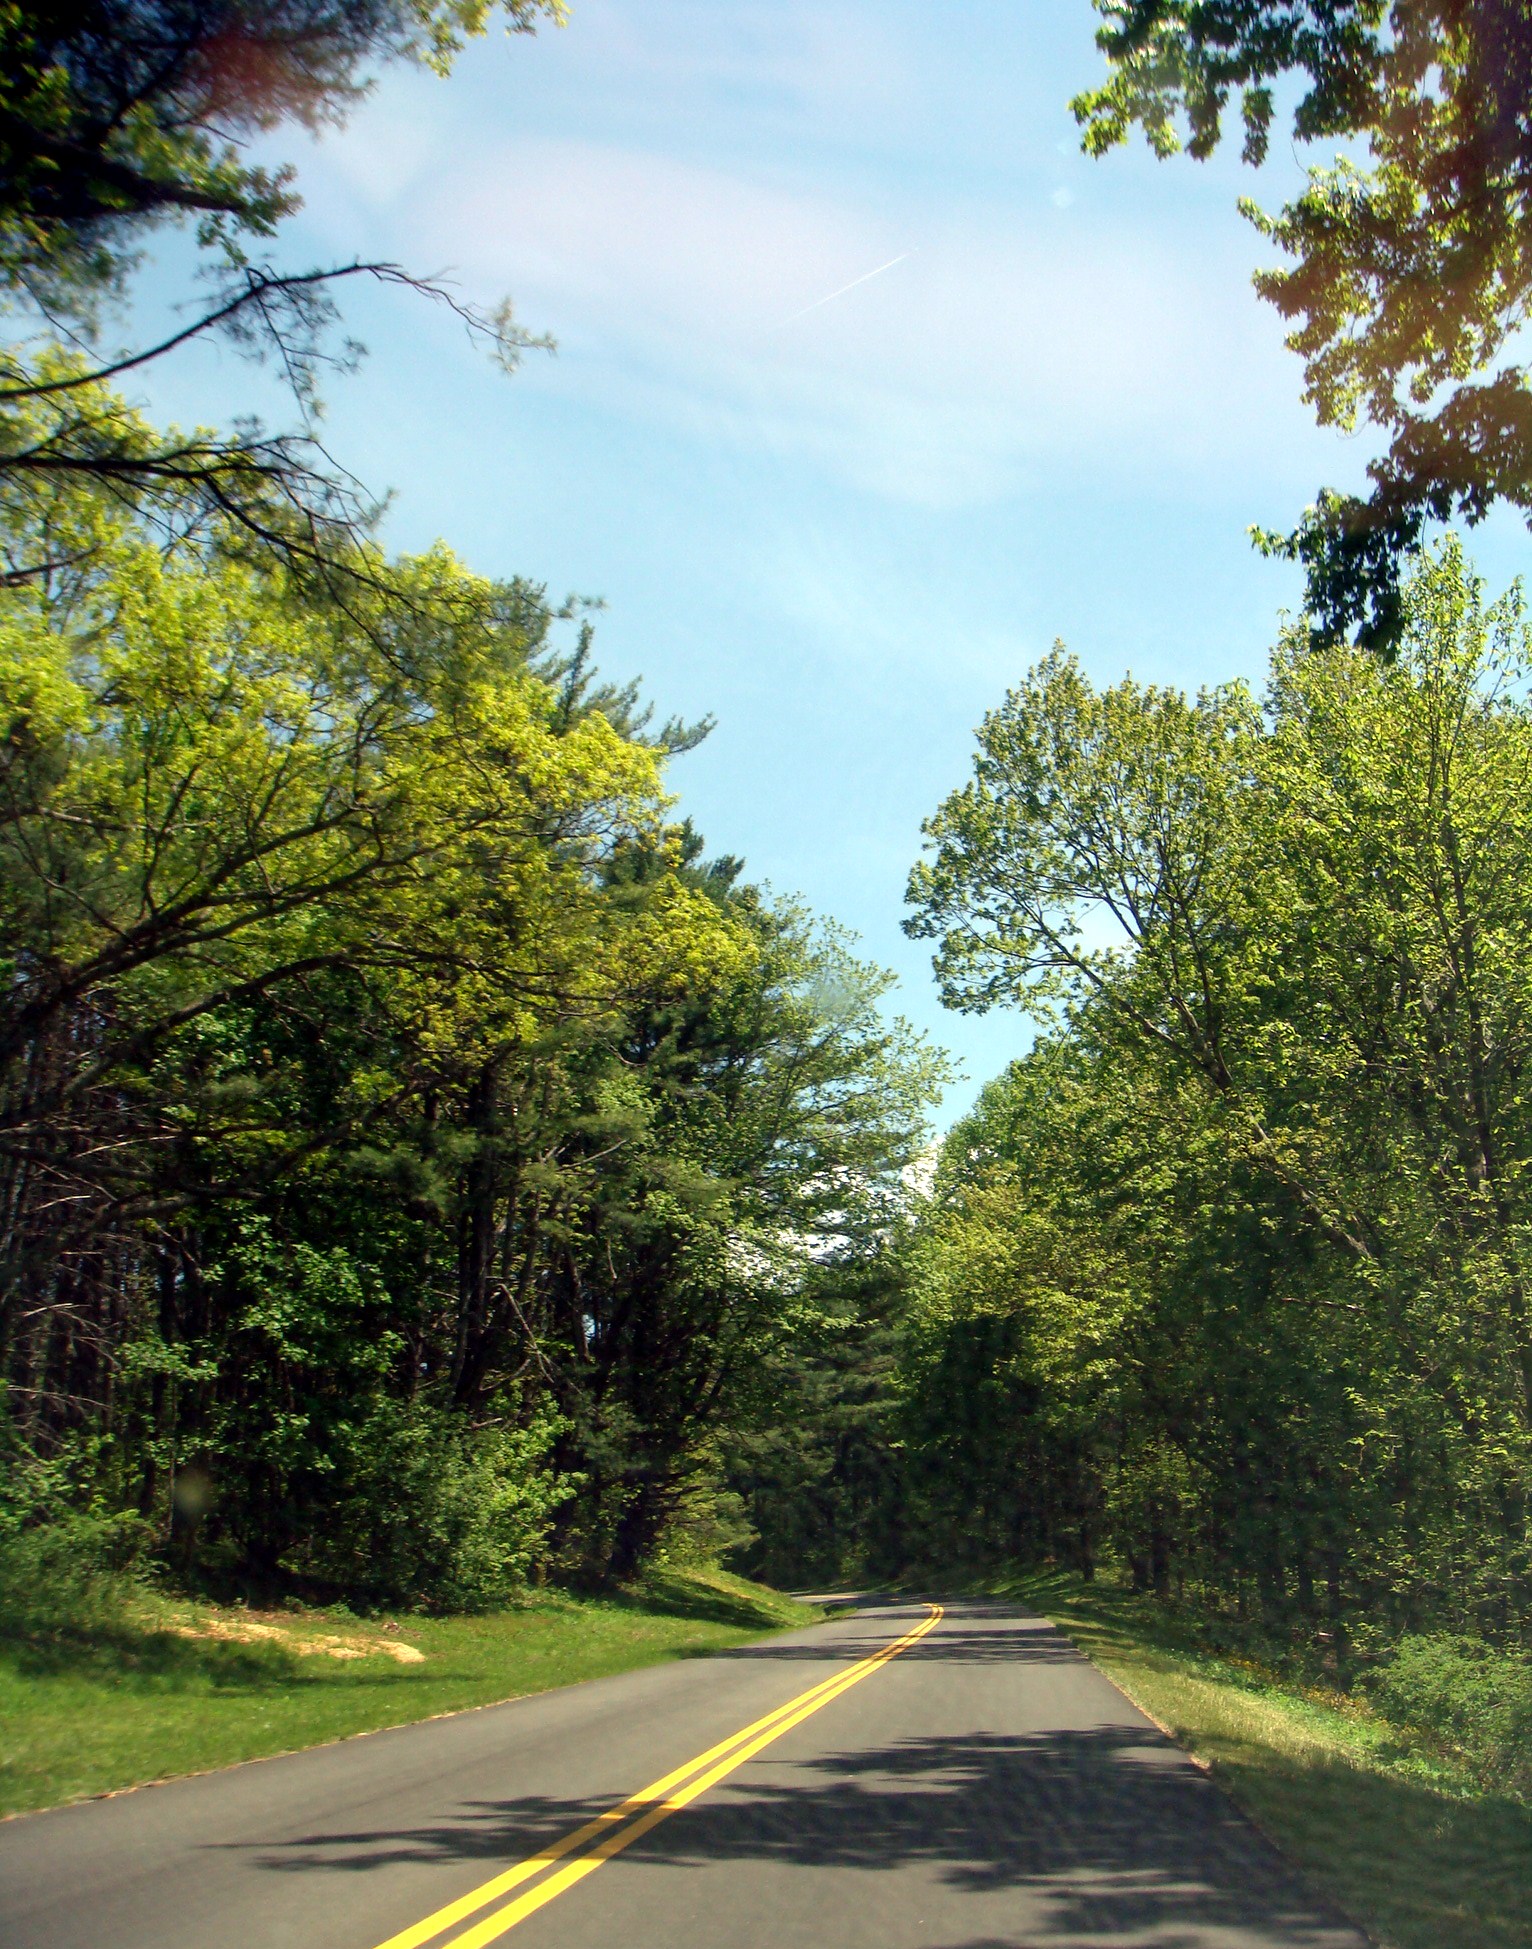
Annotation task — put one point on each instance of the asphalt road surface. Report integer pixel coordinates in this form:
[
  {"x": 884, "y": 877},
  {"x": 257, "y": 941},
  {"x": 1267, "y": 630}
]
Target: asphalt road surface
[{"x": 905, "y": 1778}]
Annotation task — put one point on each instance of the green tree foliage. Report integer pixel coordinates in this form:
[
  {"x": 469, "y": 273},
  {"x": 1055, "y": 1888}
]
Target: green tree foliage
[
  {"x": 419, "y": 1165},
  {"x": 817, "y": 1467},
  {"x": 115, "y": 114},
  {"x": 1235, "y": 1262},
  {"x": 1409, "y": 275},
  {"x": 410, "y": 1148},
  {"x": 120, "y": 115}
]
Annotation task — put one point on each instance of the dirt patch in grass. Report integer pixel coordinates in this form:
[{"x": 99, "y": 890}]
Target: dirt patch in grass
[{"x": 329, "y": 1644}]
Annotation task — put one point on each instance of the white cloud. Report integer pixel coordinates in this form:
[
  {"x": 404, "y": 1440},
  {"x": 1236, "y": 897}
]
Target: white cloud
[
  {"x": 384, "y": 154},
  {"x": 643, "y": 242},
  {"x": 1007, "y": 345}
]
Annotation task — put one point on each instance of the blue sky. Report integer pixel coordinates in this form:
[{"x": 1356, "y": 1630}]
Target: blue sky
[{"x": 842, "y": 531}]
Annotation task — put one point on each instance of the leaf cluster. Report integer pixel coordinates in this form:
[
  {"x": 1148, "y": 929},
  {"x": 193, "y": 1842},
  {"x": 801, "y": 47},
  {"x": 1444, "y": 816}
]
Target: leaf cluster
[{"x": 1408, "y": 276}]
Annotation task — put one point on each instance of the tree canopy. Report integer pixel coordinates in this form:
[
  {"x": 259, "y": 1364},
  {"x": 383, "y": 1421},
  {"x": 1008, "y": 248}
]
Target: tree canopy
[
  {"x": 1236, "y": 1257},
  {"x": 405, "y": 1132},
  {"x": 1409, "y": 276},
  {"x": 117, "y": 116}
]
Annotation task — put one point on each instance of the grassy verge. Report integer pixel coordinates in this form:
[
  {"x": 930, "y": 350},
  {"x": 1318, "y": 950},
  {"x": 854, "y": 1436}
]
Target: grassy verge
[
  {"x": 1400, "y": 1837},
  {"x": 177, "y": 1688}
]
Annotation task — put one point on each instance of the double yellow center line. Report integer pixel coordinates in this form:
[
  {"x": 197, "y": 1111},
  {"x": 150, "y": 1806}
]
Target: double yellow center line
[{"x": 619, "y": 1827}]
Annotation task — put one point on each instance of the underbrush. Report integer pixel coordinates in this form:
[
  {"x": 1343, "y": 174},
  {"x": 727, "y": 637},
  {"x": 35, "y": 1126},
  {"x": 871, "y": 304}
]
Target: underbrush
[
  {"x": 1466, "y": 1700},
  {"x": 1455, "y": 1705},
  {"x": 81, "y": 1578}
]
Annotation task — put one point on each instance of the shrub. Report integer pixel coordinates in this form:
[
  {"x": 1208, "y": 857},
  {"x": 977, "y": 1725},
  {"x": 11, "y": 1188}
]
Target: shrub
[
  {"x": 1468, "y": 1696},
  {"x": 427, "y": 1511},
  {"x": 66, "y": 1569},
  {"x": 75, "y": 1577}
]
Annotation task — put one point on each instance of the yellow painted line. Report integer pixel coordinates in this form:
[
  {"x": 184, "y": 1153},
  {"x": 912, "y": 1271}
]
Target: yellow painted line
[
  {"x": 477, "y": 1898},
  {"x": 661, "y": 1799}
]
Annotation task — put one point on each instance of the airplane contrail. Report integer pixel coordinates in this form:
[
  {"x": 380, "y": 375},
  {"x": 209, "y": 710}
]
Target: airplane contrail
[{"x": 831, "y": 296}]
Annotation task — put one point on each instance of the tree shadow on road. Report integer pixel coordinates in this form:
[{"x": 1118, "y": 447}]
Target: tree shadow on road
[{"x": 1094, "y": 1835}]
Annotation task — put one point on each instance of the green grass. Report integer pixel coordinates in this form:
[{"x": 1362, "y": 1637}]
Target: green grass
[
  {"x": 1400, "y": 1837},
  {"x": 89, "y": 1715}
]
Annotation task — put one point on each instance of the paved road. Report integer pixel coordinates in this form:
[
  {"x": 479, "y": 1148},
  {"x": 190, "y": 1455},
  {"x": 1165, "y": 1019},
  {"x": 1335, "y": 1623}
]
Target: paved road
[{"x": 981, "y": 1788}]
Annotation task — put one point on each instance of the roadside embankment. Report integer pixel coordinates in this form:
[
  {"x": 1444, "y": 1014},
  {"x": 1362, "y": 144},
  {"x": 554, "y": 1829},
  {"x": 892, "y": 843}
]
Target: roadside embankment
[
  {"x": 1389, "y": 1819},
  {"x": 166, "y": 1687}
]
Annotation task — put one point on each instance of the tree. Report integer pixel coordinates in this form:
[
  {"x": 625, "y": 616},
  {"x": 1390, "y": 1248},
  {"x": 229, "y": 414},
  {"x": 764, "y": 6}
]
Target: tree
[
  {"x": 220, "y": 809},
  {"x": 116, "y": 116},
  {"x": 1286, "y": 954},
  {"x": 405, "y": 1132},
  {"x": 1410, "y": 277},
  {"x": 648, "y": 1197}
]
